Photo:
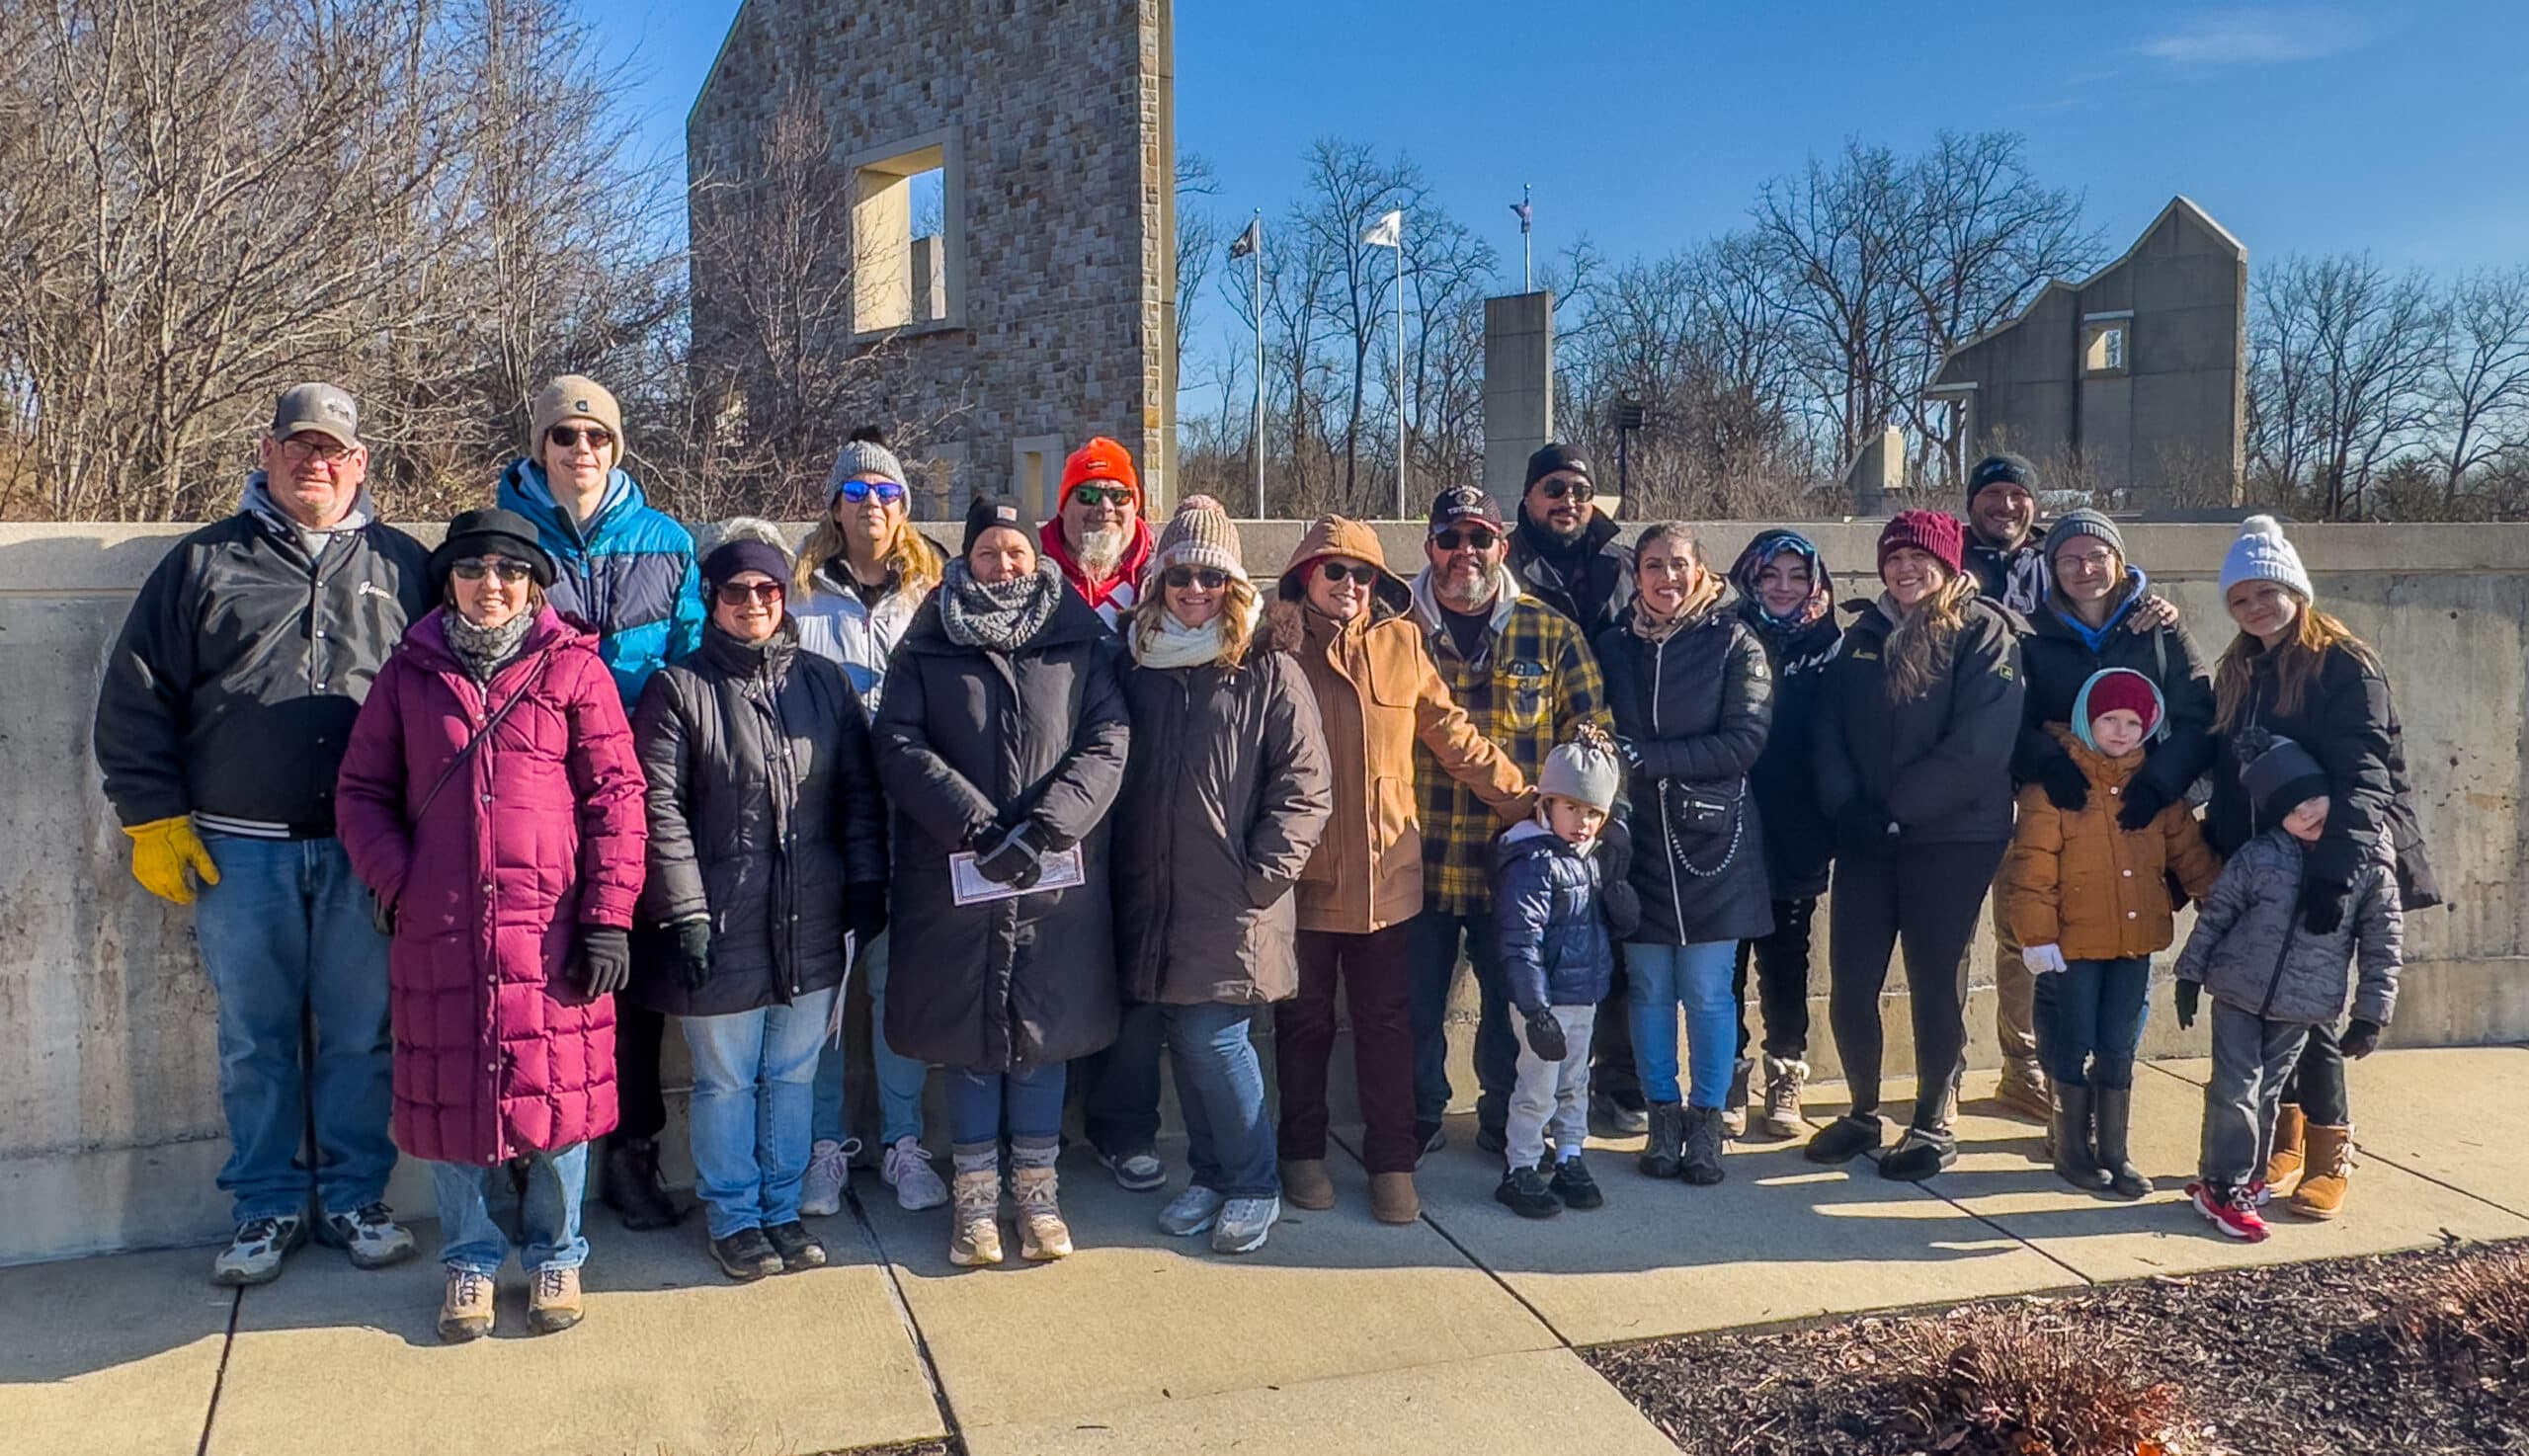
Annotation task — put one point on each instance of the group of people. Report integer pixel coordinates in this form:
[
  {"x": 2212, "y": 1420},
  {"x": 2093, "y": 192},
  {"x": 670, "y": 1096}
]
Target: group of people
[{"x": 1083, "y": 799}]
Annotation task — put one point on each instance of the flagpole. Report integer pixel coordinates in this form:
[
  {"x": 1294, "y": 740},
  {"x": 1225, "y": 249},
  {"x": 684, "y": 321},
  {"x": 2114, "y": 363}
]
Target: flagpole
[
  {"x": 1260, "y": 363},
  {"x": 1527, "y": 243},
  {"x": 1400, "y": 371}
]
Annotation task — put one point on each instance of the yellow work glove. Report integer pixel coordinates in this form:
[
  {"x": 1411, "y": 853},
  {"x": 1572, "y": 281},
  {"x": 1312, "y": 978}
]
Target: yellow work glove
[{"x": 162, "y": 851}]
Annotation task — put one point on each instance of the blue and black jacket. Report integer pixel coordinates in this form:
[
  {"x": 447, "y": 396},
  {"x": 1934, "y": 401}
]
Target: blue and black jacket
[{"x": 629, "y": 574}]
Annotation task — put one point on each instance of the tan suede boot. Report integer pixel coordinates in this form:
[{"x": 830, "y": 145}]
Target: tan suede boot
[
  {"x": 1306, "y": 1185},
  {"x": 1042, "y": 1234},
  {"x": 1392, "y": 1199},
  {"x": 2283, "y": 1169},
  {"x": 974, "y": 1235},
  {"x": 553, "y": 1301},
  {"x": 2328, "y": 1175}
]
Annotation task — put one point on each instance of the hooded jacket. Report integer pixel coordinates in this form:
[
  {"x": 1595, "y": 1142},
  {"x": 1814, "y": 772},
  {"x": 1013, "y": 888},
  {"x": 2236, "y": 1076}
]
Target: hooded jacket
[
  {"x": 1939, "y": 763},
  {"x": 1377, "y": 697},
  {"x": 1550, "y": 935},
  {"x": 498, "y": 1052},
  {"x": 2077, "y": 881},
  {"x": 627, "y": 574},
  {"x": 856, "y": 636},
  {"x": 1799, "y": 842},
  {"x": 1115, "y": 597},
  {"x": 2062, "y": 654},
  {"x": 2251, "y": 949},
  {"x": 231, "y": 689},
  {"x": 1592, "y": 595}
]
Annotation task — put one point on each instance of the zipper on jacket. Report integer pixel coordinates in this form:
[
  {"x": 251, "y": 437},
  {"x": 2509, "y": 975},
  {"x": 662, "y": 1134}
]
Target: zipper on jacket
[{"x": 1660, "y": 794}]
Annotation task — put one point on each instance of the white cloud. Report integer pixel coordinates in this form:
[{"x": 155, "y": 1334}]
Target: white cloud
[{"x": 2257, "y": 36}]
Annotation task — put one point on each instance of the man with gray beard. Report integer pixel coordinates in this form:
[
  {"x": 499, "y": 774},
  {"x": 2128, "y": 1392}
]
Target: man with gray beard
[{"x": 1098, "y": 535}]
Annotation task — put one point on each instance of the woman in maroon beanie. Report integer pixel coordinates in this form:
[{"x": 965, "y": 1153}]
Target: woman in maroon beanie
[{"x": 1916, "y": 716}]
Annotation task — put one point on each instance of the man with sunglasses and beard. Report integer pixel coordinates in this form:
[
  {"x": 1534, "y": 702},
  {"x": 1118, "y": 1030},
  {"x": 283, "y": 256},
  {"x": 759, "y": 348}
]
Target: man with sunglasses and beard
[
  {"x": 1524, "y": 678},
  {"x": 626, "y": 572},
  {"x": 1098, "y": 535}
]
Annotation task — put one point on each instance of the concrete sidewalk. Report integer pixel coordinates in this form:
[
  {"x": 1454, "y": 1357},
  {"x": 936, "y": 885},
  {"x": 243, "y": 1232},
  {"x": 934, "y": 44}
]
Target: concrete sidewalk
[{"x": 1342, "y": 1336}]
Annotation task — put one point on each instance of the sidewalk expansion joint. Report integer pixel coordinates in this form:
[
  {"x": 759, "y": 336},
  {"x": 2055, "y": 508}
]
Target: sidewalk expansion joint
[
  {"x": 219, "y": 1377},
  {"x": 1469, "y": 1255},
  {"x": 912, "y": 1324}
]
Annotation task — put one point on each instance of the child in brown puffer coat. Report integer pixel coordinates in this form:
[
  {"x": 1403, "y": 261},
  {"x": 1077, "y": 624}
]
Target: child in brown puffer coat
[{"x": 2091, "y": 902}]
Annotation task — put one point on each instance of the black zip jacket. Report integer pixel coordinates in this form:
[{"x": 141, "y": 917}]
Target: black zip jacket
[
  {"x": 232, "y": 691},
  {"x": 1939, "y": 761},
  {"x": 1590, "y": 582},
  {"x": 1799, "y": 842},
  {"x": 2059, "y": 658}
]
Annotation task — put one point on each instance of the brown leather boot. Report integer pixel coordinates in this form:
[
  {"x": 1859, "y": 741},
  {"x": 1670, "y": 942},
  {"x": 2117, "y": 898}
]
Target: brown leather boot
[
  {"x": 1306, "y": 1185},
  {"x": 1392, "y": 1199},
  {"x": 2283, "y": 1169},
  {"x": 2328, "y": 1175}
]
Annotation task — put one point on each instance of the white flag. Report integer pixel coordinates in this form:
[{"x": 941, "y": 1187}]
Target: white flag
[{"x": 1387, "y": 232}]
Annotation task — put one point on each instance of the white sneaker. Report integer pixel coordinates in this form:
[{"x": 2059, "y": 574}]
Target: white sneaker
[
  {"x": 1190, "y": 1212},
  {"x": 370, "y": 1236},
  {"x": 829, "y": 1169},
  {"x": 254, "y": 1255},
  {"x": 1244, "y": 1224},
  {"x": 906, "y": 1167}
]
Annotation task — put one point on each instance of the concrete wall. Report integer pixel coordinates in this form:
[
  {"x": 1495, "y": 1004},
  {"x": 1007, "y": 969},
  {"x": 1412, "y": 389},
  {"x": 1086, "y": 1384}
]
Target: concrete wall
[{"x": 109, "y": 1129}]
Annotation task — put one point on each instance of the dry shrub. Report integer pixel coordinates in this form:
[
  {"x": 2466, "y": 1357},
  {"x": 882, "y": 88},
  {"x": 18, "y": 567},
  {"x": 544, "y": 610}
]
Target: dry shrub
[
  {"x": 2023, "y": 1382},
  {"x": 2472, "y": 1321}
]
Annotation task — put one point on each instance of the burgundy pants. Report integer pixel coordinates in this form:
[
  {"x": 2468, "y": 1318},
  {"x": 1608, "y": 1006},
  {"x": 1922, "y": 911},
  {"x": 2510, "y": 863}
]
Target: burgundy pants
[{"x": 1377, "y": 990}]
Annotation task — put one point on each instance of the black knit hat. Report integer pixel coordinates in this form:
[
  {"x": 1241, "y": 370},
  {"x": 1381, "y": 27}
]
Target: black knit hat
[
  {"x": 1996, "y": 469},
  {"x": 989, "y": 511},
  {"x": 1552, "y": 458},
  {"x": 490, "y": 530},
  {"x": 744, "y": 554},
  {"x": 2278, "y": 774}
]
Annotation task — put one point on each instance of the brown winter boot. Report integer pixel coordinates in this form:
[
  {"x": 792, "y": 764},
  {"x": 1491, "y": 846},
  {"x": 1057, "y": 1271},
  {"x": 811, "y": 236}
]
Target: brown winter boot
[
  {"x": 1306, "y": 1185},
  {"x": 2327, "y": 1176},
  {"x": 1392, "y": 1199},
  {"x": 2283, "y": 1169}
]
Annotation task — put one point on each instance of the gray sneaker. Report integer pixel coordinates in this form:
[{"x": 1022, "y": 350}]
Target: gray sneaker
[
  {"x": 1244, "y": 1224},
  {"x": 1190, "y": 1212},
  {"x": 254, "y": 1255},
  {"x": 1138, "y": 1172},
  {"x": 370, "y": 1236}
]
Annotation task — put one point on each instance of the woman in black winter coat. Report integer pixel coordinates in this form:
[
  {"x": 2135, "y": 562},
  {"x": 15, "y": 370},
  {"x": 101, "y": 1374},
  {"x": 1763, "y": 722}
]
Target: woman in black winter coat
[
  {"x": 767, "y": 845},
  {"x": 1917, "y": 719},
  {"x": 1001, "y": 741},
  {"x": 1691, "y": 697},
  {"x": 1787, "y": 598},
  {"x": 2295, "y": 672}
]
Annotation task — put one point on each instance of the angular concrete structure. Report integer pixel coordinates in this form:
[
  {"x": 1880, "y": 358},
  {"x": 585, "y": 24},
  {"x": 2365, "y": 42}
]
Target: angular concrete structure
[
  {"x": 2137, "y": 374},
  {"x": 1519, "y": 390}
]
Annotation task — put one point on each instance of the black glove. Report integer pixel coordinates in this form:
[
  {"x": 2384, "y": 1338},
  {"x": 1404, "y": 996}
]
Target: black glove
[
  {"x": 1616, "y": 849},
  {"x": 2190, "y": 999},
  {"x": 1862, "y": 829},
  {"x": 692, "y": 950},
  {"x": 1545, "y": 1037},
  {"x": 1013, "y": 859},
  {"x": 1621, "y": 904},
  {"x": 2067, "y": 788},
  {"x": 606, "y": 959},
  {"x": 1630, "y": 752},
  {"x": 2360, "y": 1039},
  {"x": 2142, "y": 804},
  {"x": 2323, "y": 906},
  {"x": 381, "y": 915},
  {"x": 864, "y": 911}
]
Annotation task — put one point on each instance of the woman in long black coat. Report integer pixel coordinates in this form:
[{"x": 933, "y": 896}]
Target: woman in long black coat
[{"x": 1002, "y": 736}]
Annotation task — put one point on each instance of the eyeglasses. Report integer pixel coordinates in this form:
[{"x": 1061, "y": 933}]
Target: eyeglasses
[
  {"x": 1579, "y": 490},
  {"x": 1476, "y": 539},
  {"x": 571, "y": 438},
  {"x": 1181, "y": 576},
  {"x": 330, "y": 452},
  {"x": 475, "y": 568},
  {"x": 1103, "y": 495},
  {"x": 888, "y": 492},
  {"x": 740, "y": 593},
  {"x": 1360, "y": 574}
]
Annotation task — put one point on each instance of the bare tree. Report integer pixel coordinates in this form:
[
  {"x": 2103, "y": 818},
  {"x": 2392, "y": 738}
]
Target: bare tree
[
  {"x": 2343, "y": 358},
  {"x": 2483, "y": 383}
]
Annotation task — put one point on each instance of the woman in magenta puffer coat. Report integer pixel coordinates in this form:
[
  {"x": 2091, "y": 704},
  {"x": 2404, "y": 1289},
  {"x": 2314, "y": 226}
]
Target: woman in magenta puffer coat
[{"x": 491, "y": 799}]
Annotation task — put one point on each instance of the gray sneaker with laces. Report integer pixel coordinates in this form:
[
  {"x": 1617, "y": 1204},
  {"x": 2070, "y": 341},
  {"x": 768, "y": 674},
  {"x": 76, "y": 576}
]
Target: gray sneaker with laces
[
  {"x": 1244, "y": 1225},
  {"x": 255, "y": 1253},
  {"x": 1190, "y": 1212},
  {"x": 370, "y": 1236}
]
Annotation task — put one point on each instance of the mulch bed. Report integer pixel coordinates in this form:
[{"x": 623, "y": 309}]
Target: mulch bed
[{"x": 2294, "y": 1360}]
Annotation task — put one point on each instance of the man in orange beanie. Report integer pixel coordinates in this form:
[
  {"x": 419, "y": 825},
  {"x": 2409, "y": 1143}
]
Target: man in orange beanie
[{"x": 1098, "y": 535}]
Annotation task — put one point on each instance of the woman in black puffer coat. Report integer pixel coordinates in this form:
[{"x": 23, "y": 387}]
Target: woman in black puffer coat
[{"x": 1692, "y": 699}]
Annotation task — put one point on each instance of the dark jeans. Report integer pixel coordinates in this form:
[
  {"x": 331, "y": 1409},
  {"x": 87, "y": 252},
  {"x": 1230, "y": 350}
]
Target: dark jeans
[
  {"x": 2090, "y": 1020},
  {"x": 1372, "y": 970},
  {"x": 1119, "y": 1103},
  {"x": 1612, "y": 1072},
  {"x": 1927, "y": 897},
  {"x": 2316, "y": 1084},
  {"x": 1782, "y": 981},
  {"x": 1433, "y": 963},
  {"x": 639, "y": 1032}
]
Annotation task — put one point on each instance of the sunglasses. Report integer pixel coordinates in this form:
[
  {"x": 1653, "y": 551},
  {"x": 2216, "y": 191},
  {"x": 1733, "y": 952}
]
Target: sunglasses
[
  {"x": 739, "y": 594},
  {"x": 1103, "y": 495},
  {"x": 1471, "y": 541},
  {"x": 1579, "y": 490},
  {"x": 572, "y": 438},
  {"x": 1181, "y": 576},
  {"x": 475, "y": 568},
  {"x": 888, "y": 492},
  {"x": 1363, "y": 575}
]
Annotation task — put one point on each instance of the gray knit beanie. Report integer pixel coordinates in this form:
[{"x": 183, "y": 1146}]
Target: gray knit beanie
[
  {"x": 1586, "y": 770},
  {"x": 2261, "y": 554},
  {"x": 2083, "y": 523},
  {"x": 865, "y": 459},
  {"x": 1200, "y": 533}
]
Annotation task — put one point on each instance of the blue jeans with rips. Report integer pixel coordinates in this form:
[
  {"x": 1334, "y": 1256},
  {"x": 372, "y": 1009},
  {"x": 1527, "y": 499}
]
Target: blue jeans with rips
[
  {"x": 1658, "y": 979},
  {"x": 900, "y": 1078},
  {"x": 752, "y": 1104},
  {"x": 483, "y": 1215},
  {"x": 287, "y": 937}
]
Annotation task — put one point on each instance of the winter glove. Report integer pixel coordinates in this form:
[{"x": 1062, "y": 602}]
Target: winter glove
[
  {"x": 1013, "y": 859},
  {"x": 2323, "y": 906},
  {"x": 1545, "y": 1037},
  {"x": 1864, "y": 828},
  {"x": 1630, "y": 752},
  {"x": 606, "y": 959},
  {"x": 162, "y": 851},
  {"x": 2067, "y": 788},
  {"x": 864, "y": 911},
  {"x": 2190, "y": 998},
  {"x": 2142, "y": 804},
  {"x": 2042, "y": 960},
  {"x": 692, "y": 950},
  {"x": 2360, "y": 1039},
  {"x": 381, "y": 916},
  {"x": 1621, "y": 905}
]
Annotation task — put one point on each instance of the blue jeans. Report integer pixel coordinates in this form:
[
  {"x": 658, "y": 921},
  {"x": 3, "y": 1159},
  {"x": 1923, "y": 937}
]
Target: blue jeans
[
  {"x": 479, "y": 1206},
  {"x": 2090, "y": 1020},
  {"x": 1431, "y": 967},
  {"x": 900, "y": 1078},
  {"x": 1658, "y": 979},
  {"x": 1032, "y": 1097},
  {"x": 1229, "y": 1136},
  {"x": 286, "y": 935},
  {"x": 753, "y": 1099}
]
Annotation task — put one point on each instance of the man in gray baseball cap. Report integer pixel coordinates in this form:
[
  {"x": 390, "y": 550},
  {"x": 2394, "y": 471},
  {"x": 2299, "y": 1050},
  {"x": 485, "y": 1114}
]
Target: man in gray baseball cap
[{"x": 322, "y": 408}]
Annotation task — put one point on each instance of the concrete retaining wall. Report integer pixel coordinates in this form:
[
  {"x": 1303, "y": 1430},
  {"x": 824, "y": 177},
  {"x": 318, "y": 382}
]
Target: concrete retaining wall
[{"x": 110, "y": 1127}]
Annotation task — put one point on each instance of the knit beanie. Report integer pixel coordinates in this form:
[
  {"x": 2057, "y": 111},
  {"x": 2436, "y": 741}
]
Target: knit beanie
[
  {"x": 1933, "y": 531},
  {"x": 987, "y": 513},
  {"x": 573, "y": 398},
  {"x": 2278, "y": 774},
  {"x": 1585, "y": 769},
  {"x": 2109, "y": 690},
  {"x": 863, "y": 459},
  {"x": 1100, "y": 459},
  {"x": 1555, "y": 458},
  {"x": 1200, "y": 533},
  {"x": 2083, "y": 522},
  {"x": 743, "y": 554},
  {"x": 2261, "y": 554},
  {"x": 1998, "y": 469}
]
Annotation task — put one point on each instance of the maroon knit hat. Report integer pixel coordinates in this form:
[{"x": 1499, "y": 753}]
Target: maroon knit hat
[
  {"x": 2123, "y": 687},
  {"x": 1931, "y": 532}
]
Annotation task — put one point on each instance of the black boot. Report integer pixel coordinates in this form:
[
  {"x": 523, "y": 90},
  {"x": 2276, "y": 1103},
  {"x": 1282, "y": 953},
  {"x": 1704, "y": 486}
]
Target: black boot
[
  {"x": 630, "y": 1186},
  {"x": 2073, "y": 1163},
  {"x": 2113, "y": 1108},
  {"x": 1660, "y": 1151}
]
